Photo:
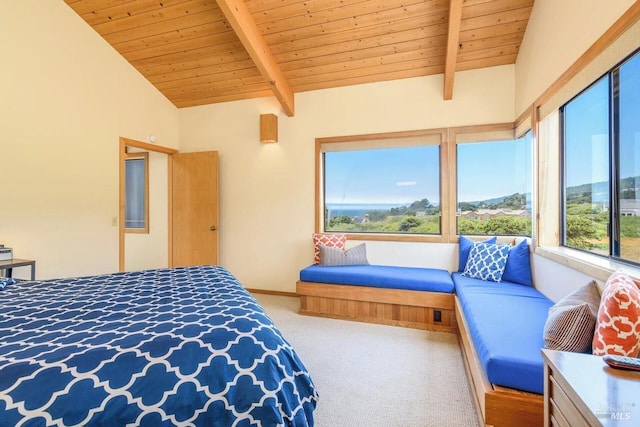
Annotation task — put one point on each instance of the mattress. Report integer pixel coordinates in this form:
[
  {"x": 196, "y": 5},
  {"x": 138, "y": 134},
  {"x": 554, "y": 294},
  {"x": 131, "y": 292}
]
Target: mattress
[
  {"x": 506, "y": 322},
  {"x": 183, "y": 346},
  {"x": 383, "y": 276}
]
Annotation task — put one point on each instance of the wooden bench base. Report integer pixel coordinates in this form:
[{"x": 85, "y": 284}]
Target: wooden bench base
[
  {"x": 396, "y": 307},
  {"x": 496, "y": 406}
]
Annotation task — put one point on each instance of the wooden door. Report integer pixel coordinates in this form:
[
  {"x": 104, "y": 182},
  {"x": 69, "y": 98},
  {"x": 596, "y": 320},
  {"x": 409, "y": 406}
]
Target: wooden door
[{"x": 194, "y": 208}]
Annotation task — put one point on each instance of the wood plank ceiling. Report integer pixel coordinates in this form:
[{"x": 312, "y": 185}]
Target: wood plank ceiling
[{"x": 200, "y": 52}]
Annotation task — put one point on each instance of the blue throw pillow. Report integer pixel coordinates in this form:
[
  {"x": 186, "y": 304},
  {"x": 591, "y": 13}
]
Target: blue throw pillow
[
  {"x": 464, "y": 247},
  {"x": 518, "y": 268},
  {"x": 486, "y": 261}
]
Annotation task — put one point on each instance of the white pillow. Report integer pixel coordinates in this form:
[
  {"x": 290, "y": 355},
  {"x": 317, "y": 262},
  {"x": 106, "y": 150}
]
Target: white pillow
[
  {"x": 330, "y": 256},
  {"x": 571, "y": 322}
]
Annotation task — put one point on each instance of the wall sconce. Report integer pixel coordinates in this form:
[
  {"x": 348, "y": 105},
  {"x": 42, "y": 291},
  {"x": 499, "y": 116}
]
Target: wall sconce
[{"x": 268, "y": 128}]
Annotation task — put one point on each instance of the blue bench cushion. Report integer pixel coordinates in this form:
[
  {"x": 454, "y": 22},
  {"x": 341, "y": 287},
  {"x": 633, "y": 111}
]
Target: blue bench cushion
[
  {"x": 505, "y": 322},
  {"x": 382, "y": 276}
]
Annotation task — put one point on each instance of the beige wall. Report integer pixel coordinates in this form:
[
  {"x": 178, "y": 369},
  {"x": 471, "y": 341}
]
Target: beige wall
[
  {"x": 557, "y": 34},
  {"x": 65, "y": 99},
  {"x": 267, "y": 190}
]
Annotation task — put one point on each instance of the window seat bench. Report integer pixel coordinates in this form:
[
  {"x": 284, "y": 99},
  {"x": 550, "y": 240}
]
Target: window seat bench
[
  {"x": 412, "y": 297},
  {"x": 501, "y": 336}
]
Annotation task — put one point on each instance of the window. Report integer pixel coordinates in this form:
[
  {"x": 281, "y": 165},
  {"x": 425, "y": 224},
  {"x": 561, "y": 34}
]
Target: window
[
  {"x": 382, "y": 187},
  {"x": 586, "y": 169},
  {"x": 136, "y": 209},
  {"x": 494, "y": 187},
  {"x": 601, "y": 147}
]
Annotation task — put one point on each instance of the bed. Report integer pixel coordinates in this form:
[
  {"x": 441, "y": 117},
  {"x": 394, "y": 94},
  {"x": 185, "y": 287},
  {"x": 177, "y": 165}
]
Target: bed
[{"x": 183, "y": 346}]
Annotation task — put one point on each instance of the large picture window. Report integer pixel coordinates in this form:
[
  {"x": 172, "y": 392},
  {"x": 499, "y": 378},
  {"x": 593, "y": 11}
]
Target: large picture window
[
  {"x": 494, "y": 187},
  {"x": 382, "y": 187},
  {"x": 601, "y": 147}
]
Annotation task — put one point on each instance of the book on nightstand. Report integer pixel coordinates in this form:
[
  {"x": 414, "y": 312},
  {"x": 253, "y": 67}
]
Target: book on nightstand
[{"x": 5, "y": 253}]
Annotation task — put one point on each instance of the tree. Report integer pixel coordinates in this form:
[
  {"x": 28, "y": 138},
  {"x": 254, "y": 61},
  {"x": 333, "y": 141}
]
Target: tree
[
  {"x": 340, "y": 219},
  {"x": 469, "y": 226},
  {"x": 508, "y": 226},
  {"x": 420, "y": 205},
  {"x": 377, "y": 215},
  {"x": 401, "y": 210},
  {"x": 628, "y": 194},
  {"x": 579, "y": 231},
  {"x": 501, "y": 225},
  {"x": 408, "y": 223},
  {"x": 514, "y": 201},
  {"x": 467, "y": 207},
  {"x": 630, "y": 226}
]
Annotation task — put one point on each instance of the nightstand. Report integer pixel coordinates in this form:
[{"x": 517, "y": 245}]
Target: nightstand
[
  {"x": 10, "y": 264},
  {"x": 582, "y": 390}
]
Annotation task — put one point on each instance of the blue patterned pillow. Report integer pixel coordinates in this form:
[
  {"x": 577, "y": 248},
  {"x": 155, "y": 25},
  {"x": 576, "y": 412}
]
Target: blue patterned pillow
[
  {"x": 486, "y": 261},
  {"x": 464, "y": 247}
]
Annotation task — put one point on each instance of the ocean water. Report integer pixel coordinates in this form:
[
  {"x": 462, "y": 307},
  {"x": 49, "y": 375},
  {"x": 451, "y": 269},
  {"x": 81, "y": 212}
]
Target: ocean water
[{"x": 358, "y": 209}]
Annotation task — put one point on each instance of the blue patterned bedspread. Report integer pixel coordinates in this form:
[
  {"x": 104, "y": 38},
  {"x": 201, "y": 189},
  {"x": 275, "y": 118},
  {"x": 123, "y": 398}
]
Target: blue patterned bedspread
[{"x": 186, "y": 346}]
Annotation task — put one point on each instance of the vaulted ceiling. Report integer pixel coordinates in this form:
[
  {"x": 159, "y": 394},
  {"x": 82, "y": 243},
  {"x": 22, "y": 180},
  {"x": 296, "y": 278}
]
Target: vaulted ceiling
[{"x": 200, "y": 52}]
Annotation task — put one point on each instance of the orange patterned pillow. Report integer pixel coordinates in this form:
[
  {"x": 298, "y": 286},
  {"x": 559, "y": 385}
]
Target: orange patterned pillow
[
  {"x": 618, "y": 325},
  {"x": 332, "y": 240}
]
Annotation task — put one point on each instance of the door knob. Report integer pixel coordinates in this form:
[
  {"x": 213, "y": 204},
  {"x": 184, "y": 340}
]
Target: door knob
[{"x": 213, "y": 228}]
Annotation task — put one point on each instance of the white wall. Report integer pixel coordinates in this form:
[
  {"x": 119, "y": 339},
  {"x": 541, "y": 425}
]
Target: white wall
[
  {"x": 65, "y": 99},
  {"x": 557, "y": 34},
  {"x": 267, "y": 190},
  {"x": 556, "y": 280}
]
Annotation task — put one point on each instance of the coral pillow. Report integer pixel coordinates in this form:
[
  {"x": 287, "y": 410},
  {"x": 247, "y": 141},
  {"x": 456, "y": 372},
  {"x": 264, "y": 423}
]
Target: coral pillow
[
  {"x": 331, "y": 240},
  {"x": 618, "y": 325}
]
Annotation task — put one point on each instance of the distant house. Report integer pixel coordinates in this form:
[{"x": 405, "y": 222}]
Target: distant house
[
  {"x": 487, "y": 214},
  {"x": 629, "y": 207}
]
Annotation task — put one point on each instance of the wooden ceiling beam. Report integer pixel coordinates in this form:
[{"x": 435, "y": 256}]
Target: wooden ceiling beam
[
  {"x": 453, "y": 38},
  {"x": 247, "y": 31}
]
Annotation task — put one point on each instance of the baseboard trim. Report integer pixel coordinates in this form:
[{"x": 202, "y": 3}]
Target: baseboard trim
[{"x": 270, "y": 292}]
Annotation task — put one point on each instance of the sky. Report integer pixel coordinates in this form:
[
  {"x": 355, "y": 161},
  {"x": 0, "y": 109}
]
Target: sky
[
  {"x": 586, "y": 136},
  {"x": 493, "y": 169},
  {"x": 587, "y": 129},
  {"x": 390, "y": 175},
  {"x": 404, "y": 175}
]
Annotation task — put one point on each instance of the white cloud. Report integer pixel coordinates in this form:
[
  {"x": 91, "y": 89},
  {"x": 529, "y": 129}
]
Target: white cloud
[{"x": 405, "y": 183}]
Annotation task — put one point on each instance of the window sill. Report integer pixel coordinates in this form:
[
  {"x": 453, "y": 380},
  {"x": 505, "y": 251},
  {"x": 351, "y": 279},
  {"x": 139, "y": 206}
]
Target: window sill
[
  {"x": 592, "y": 265},
  {"x": 397, "y": 237}
]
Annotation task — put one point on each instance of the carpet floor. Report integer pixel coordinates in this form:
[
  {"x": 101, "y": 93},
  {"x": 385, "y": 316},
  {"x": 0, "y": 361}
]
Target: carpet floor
[{"x": 371, "y": 375}]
